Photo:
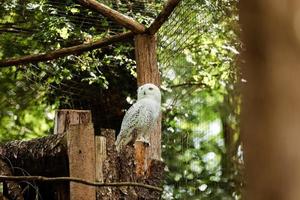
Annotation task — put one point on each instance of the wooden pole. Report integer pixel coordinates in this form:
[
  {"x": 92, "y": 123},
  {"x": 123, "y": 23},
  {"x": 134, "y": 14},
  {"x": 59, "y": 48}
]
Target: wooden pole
[
  {"x": 271, "y": 104},
  {"x": 146, "y": 59},
  {"x": 121, "y": 19},
  {"x": 147, "y": 72},
  {"x": 78, "y": 49},
  {"x": 81, "y": 150},
  {"x": 163, "y": 16}
]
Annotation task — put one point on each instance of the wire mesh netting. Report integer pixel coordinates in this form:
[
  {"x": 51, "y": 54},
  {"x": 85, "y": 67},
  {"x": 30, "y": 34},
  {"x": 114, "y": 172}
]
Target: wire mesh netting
[{"x": 197, "y": 53}]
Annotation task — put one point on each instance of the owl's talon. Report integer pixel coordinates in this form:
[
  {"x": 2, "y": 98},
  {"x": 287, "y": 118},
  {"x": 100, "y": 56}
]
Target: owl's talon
[
  {"x": 147, "y": 143},
  {"x": 143, "y": 140}
]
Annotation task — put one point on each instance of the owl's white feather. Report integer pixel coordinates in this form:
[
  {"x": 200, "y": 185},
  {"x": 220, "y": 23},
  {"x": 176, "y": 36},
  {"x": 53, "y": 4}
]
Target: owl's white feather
[{"x": 141, "y": 116}]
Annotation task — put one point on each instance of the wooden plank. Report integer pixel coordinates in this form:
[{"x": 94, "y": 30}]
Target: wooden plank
[
  {"x": 101, "y": 155},
  {"x": 78, "y": 49},
  {"x": 81, "y": 148},
  {"x": 121, "y": 19},
  {"x": 147, "y": 72},
  {"x": 163, "y": 16},
  {"x": 271, "y": 99}
]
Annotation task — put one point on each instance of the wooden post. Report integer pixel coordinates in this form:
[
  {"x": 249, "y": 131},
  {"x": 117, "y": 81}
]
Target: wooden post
[
  {"x": 146, "y": 59},
  {"x": 271, "y": 104},
  {"x": 107, "y": 157},
  {"x": 100, "y": 157},
  {"x": 81, "y": 149},
  {"x": 147, "y": 72}
]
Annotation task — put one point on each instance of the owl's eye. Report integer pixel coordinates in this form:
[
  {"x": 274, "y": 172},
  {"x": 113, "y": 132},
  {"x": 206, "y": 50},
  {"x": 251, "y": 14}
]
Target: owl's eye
[{"x": 150, "y": 88}]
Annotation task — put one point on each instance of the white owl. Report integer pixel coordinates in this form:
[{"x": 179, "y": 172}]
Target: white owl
[{"x": 141, "y": 116}]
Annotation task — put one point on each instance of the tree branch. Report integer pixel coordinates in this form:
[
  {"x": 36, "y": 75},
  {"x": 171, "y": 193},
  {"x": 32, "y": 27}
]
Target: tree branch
[
  {"x": 163, "y": 16},
  {"x": 78, "y": 49},
  {"x": 77, "y": 180},
  {"x": 188, "y": 84},
  {"x": 121, "y": 19}
]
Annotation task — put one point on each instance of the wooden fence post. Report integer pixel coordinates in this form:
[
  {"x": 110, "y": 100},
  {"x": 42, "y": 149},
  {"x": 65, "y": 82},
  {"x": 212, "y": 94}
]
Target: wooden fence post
[
  {"x": 81, "y": 149},
  {"x": 147, "y": 72}
]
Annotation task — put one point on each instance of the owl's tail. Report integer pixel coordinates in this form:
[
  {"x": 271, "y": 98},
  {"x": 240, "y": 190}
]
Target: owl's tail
[
  {"x": 122, "y": 140},
  {"x": 118, "y": 143}
]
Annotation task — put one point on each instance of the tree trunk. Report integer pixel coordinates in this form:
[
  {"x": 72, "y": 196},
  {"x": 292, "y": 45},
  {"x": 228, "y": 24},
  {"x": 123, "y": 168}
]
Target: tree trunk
[{"x": 271, "y": 104}]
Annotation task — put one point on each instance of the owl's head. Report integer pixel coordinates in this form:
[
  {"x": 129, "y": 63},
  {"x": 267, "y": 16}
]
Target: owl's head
[{"x": 149, "y": 91}]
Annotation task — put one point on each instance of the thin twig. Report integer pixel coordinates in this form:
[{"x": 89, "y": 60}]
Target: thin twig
[
  {"x": 77, "y": 180},
  {"x": 188, "y": 84}
]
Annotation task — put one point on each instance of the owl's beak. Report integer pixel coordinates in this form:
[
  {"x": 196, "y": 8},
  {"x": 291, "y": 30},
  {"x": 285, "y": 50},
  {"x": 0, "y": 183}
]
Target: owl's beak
[{"x": 144, "y": 92}]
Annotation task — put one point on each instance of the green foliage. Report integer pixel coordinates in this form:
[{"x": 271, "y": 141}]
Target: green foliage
[
  {"x": 201, "y": 102},
  {"x": 24, "y": 113}
]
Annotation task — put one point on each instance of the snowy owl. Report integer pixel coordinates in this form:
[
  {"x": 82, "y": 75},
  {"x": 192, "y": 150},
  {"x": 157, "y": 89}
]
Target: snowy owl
[{"x": 141, "y": 116}]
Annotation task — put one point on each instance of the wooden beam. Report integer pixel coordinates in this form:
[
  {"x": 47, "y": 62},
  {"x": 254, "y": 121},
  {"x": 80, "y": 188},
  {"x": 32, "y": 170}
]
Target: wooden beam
[
  {"x": 114, "y": 15},
  {"x": 147, "y": 72},
  {"x": 163, "y": 16},
  {"x": 78, "y": 49}
]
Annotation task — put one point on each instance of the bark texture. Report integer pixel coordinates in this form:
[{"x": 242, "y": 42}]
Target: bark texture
[
  {"x": 45, "y": 156},
  {"x": 122, "y": 168},
  {"x": 48, "y": 155}
]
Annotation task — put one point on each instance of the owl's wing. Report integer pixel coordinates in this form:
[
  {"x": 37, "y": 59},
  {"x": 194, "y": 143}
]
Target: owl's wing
[{"x": 137, "y": 115}]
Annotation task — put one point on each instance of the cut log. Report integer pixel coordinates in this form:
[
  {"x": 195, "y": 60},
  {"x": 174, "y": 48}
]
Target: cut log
[
  {"x": 110, "y": 167},
  {"x": 44, "y": 156},
  {"x": 122, "y": 168},
  {"x": 127, "y": 171},
  {"x": 49, "y": 155}
]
